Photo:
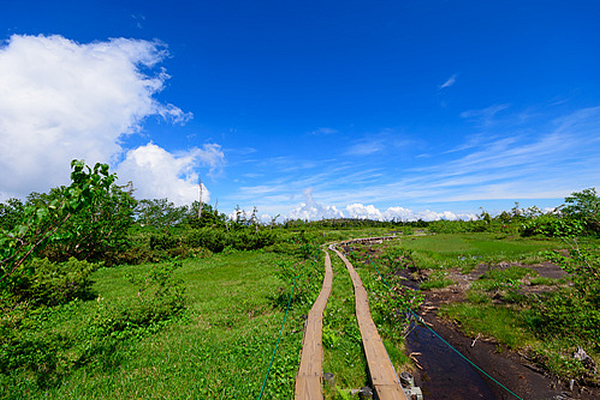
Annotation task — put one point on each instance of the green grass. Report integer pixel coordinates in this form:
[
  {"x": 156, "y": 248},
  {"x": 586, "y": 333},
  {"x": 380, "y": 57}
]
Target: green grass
[
  {"x": 502, "y": 323},
  {"x": 219, "y": 348},
  {"x": 479, "y": 244},
  {"x": 466, "y": 251},
  {"x": 437, "y": 280},
  {"x": 342, "y": 344},
  {"x": 542, "y": 280}
]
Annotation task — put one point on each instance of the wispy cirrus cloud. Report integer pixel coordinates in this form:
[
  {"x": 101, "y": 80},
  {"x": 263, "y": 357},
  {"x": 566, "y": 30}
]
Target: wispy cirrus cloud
[
  {"x": 323, "y": 131},
  {"x": 550, "y": 162},
  {"x": 449, "y": 82},
  {"x": 484, "y": 117},
  {"x": 365, "y": 147},
  {"x": 504, "y": 162},
  {"x": 386, "y": 140}
]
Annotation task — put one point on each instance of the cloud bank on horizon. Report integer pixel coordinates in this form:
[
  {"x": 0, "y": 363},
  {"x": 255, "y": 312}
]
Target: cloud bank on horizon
[
  {"x": 312, "y": 210},
  {"x": 62, "y": 100}
]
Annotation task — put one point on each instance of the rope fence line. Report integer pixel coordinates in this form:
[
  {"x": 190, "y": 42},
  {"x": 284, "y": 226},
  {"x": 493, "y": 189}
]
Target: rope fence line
[
  {"x": 278, "y": 339},
  {"x": 420, "y": 319},
  {"x": 314, "y": 255}
]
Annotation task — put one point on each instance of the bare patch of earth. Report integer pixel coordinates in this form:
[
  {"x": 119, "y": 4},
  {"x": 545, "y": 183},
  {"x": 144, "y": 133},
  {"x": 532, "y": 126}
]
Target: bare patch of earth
[{"x": 513, "y": 370}]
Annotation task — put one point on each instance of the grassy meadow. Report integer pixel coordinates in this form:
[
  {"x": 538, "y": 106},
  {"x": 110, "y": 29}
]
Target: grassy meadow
[
  {"x": 220, "y": 346},
  {"x": 220, "y": 318}
]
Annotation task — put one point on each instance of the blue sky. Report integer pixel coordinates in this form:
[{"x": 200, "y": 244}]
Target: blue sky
[{"x": 308, "y": 109}]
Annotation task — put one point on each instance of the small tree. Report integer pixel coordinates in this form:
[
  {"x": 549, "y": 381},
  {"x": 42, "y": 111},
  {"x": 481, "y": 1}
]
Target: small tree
[
  {"x": 584, "y": 206},
  {"x": 95, "y": 233},
  {"x": 39, "y": 222},
  {"x": 160, "y": 213}
]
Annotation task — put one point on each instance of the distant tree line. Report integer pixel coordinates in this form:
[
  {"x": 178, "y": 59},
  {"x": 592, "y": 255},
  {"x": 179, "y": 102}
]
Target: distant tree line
[{"x": 97, "y": 221}]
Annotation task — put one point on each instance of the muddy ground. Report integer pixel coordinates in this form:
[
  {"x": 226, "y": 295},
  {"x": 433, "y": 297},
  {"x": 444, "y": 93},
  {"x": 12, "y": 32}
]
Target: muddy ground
[{"x": 519, "y": 374}]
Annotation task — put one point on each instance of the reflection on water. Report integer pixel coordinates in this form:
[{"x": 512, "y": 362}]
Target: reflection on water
[{"x": 445, "y": 374}]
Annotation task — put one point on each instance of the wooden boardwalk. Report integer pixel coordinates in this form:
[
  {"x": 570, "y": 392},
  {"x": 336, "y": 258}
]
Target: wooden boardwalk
[
  {"x": 383, "y": 376},
  {"x": 310, "y": 373}
]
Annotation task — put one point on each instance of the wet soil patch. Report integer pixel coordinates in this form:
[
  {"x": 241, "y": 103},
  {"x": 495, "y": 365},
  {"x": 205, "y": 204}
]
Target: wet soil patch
[
  {"x": 446, "y": 375},
  {"x": 443, "y": 374}
]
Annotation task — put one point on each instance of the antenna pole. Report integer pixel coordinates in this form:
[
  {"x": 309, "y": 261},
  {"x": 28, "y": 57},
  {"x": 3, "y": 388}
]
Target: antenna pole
[{"x": 200, "y": 190}]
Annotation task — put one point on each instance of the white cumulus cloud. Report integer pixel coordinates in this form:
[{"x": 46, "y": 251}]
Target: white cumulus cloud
[
  {"x": 361, "y": 211},
  {"x": 61, "y": 100},
  {"x": 156, "y": 173},
  {"x": 311, "y": 210},
  {"x": 358, "y": 210}
]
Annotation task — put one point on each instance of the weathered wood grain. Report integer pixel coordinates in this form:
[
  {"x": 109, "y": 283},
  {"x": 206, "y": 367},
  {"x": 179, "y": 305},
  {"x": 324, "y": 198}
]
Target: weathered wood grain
[
  {"x": 383, "y": 376},
  {"x": 310, "y": 373}
]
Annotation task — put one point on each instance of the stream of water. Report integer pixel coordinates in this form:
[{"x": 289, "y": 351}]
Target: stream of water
[{"x": 445, "y": 374}]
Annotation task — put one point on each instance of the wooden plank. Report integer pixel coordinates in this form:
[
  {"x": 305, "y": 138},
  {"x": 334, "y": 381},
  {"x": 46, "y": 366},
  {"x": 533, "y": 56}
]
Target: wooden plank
[
  {"x": 383, "y": 376},
  {"x": 310, "y": 373}
]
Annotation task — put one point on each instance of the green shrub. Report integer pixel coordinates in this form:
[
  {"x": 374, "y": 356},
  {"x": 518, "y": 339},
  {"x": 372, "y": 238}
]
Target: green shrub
[
  {"x": 573, "y": 311},
  {"x": 163, "y": 241},
  {"x": 138, "y": 254},
  {"x": 568, "y": 314},
  {"x": 250, "y": 240},
  {"x": 51, "y": 283},
  {"x": 552, "y": 225},
  {"x": 35, "y": 357},
  {"x": 213, "y": 239}
]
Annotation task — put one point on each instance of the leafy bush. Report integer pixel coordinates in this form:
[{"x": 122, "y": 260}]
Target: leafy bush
[
  {"x": 568, "y": 314},
  {"x": 213, "y": 239},
  {"x": 45, "y": 219},
  {"x": 157, "y": 301},
  {"x": 138, "y": 254},
  {"x": 163, "y": 241},
  {"x": 250, "y": 240},
  {"x": 552, "y": 225},
  {"x": 308, "y": 276},
  {"x": 159, "y": 213},
  {"x": 10, "y": 213},
  {"x": 585, "y": 207},
  {"x": 574, "y": 311},
  {"x": 51, "y": 283},
  {"x": 95, "y": 233},
  {"x": 24, "y": 349},
  {"x": 28, "y": 351},
  {"x": 485, "y": 223}
]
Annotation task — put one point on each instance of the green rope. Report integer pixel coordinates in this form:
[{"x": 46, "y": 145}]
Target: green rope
[
  {"x": 465, "y": 358},
  {"x": 278, "y": 339},
  {"x": 381, "y": 276},
  {"x": 442, "y": 339}
]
